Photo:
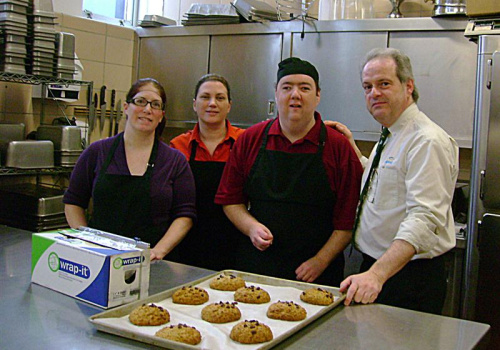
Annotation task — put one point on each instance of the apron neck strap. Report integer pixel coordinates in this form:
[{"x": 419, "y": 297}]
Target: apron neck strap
[
  {"x": 111, "y": 152},
  {"x": 152, "y": 158},
  {"x": 322, "y": 138},
  {"x": 114, "y": 146},
  {"x": 266, "y": 131},
  {"x": 194, "y": 145}
]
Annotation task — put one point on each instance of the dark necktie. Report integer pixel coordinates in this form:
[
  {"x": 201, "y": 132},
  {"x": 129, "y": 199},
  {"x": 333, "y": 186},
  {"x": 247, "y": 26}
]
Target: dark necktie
[{"x": 364, "y": 192}]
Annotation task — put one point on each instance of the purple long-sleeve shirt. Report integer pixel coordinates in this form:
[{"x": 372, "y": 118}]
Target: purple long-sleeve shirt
[{"x": 172, "y": 182}]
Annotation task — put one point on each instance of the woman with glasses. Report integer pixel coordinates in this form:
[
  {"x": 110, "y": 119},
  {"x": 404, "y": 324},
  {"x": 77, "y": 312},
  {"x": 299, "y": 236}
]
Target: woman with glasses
[
  {"x": 139, "y": 186},
  {"x": 210, "y": 243}
]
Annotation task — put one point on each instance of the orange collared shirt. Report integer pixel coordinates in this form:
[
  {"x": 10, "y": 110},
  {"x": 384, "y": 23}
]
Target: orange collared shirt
[{"x": 184, "y": 143}]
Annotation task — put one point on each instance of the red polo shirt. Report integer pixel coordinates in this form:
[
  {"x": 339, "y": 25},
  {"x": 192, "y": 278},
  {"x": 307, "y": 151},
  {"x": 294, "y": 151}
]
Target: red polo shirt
[
  {"x": 341, "y": 163},
  {"x": 184, "y": 142}
]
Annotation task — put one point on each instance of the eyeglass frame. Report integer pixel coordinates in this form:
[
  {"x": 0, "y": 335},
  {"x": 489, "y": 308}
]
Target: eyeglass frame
[{"x": 133, "y": 101}]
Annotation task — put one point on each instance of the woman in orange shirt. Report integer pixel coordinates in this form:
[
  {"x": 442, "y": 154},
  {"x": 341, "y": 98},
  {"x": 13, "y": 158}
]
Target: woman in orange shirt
[{"x": 210, "y": 242}]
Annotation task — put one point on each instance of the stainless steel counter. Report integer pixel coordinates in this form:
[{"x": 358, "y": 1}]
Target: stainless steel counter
[{"x": 37, "y": 317}]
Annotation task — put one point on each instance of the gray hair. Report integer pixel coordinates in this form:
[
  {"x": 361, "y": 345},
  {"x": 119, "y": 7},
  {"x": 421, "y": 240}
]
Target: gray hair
[{"x": 404, "y": 70}]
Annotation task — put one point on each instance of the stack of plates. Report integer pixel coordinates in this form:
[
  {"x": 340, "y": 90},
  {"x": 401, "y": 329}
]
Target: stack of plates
[
  {"x": 256, "y": 11},
  {"x": 156, "y": 21},
  {"x": 13, "y": 32},
  {"x": 65, "y": 56},
  {"x": 43, "y": 38},
  {"x": 31, "y": 207},
  {"x": 200, "y": 14}
]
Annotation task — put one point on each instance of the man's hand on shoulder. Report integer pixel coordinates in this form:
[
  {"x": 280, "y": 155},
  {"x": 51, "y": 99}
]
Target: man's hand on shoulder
[{"x": 344, "y": 130}]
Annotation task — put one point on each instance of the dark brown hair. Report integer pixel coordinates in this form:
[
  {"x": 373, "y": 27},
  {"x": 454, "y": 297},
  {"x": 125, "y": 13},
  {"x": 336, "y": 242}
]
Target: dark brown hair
[
  {"x": 136, "y": 88},
  {"x": 213, "y": 77}
]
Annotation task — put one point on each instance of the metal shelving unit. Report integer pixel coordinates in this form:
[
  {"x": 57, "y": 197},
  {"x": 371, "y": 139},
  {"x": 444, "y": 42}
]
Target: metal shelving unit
[
  {"x": 43, "y": 81},
  {"x": 31, "y": 172},
  {"x": 39, "y": 79}
]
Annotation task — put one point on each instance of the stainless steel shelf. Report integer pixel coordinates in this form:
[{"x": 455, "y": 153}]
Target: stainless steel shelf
[
  {"x": 30, "y": 172},
  {"x": 38, "y": 79},
  {"x": 44, "y": 81}
]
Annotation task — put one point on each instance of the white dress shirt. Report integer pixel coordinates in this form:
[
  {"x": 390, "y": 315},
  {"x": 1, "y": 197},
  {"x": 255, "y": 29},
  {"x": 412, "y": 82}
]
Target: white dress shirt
[{"x": 411, "y": 191}]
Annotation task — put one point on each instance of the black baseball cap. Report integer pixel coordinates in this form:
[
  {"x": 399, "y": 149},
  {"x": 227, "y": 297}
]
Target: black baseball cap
[{"x": 294, "y": 65}]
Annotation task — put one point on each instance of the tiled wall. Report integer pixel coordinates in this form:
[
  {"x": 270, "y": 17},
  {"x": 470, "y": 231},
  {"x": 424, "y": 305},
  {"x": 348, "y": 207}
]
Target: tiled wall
[{"x": 107, "y": 55}]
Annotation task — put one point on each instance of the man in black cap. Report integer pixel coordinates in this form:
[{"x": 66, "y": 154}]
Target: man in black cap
[{"x": 291, "y": 186}]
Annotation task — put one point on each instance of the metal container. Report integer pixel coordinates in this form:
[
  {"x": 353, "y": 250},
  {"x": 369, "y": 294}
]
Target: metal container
[
  {"x": 46, "y": 44},
  {"x": 13, "y": 38},
  {"x": 12, "y": 7},
  {"x": 448, "y": 7},
  {"x": 8, "y": 133},
  {"x": 34, "y": 224},
  {"x": 66, "y": 158},
  {"x": 64, "y": 137},
  {"x": 15, "y": 48},
  {"x": 30, "y": 154},
  {"x": 13, "y": 17},
  {"x": 31, "y": 200},
  {"x": 13, "y": 60},
  {"x": 43, "y": 5},
  {"x": 65, "y": 43}
]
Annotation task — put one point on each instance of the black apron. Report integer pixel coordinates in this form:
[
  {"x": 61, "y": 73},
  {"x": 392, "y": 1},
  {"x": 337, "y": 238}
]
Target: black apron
[
  {"x": 211, "y": 242},
  {"x": 122, "y": 203},
  {"x": 290, "y": 194}
]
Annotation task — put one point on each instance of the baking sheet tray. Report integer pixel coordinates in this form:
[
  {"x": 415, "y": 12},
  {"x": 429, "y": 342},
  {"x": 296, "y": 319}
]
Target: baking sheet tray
[{"x": 116, "y": 321}]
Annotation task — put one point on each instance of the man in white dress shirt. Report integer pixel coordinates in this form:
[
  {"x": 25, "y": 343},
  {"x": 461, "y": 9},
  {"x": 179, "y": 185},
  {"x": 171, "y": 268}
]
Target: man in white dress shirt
[{"x": 406, "y": 223}]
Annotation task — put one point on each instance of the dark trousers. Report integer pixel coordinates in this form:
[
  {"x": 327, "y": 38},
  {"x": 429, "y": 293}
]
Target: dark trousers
[{"x": 419, "y": 286}]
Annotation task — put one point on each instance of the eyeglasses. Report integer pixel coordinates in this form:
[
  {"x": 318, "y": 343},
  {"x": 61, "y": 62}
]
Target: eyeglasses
[{"x": 142, "y": 102}]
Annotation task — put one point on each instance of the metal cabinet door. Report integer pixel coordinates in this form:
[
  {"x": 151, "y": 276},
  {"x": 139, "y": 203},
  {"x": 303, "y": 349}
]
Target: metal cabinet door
[
  {"x": 491, "y": 195},
  {"x": 177, "y": 63},
  {"x": 444, "y": 66},
  {"x": 250, "y": 64},
  {"x": 338, "y": 57},
  {"x": 488, "y": 296}
]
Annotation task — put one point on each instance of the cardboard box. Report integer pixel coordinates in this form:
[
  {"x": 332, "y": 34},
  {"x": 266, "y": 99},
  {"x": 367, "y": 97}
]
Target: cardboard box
[
  {"x": 94, "y": 266},
  {"x": 483, "y": 8}
]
